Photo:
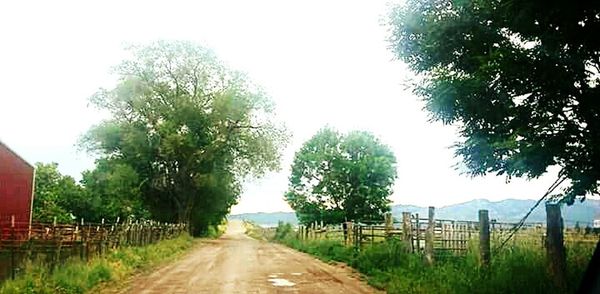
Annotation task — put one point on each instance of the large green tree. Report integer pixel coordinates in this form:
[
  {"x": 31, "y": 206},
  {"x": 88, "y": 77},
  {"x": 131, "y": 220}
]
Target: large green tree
[
  {"x": 519, "y": 78},
  {"x": 338, "y": 177},
  {"x": 189, "y": 127}
]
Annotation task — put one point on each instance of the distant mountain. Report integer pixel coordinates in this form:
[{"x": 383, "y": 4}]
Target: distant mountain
[
  {"x": 509, "y": 210},
  {"x": 268, "y": 219}
]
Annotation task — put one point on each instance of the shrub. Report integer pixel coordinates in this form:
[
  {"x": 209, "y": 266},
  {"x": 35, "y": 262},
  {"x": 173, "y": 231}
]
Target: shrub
[{"x": 283, "y": 230}]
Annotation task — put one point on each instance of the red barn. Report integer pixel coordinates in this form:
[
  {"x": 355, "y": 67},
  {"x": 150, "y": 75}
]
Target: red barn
[{"x": 16, "y": 194}]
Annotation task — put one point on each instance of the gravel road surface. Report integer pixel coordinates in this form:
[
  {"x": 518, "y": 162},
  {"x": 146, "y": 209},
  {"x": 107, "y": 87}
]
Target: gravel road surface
[{"x": 236, "y": 263}]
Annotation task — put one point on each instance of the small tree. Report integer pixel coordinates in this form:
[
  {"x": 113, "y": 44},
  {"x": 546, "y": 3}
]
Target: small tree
[
  {"x": 52, "y": 193},
  {"x": 339, "y": 177}
]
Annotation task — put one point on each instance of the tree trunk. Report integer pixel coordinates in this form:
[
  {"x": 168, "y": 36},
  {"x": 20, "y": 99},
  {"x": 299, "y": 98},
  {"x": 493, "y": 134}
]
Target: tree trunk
[{"x": 187, "y": 216}]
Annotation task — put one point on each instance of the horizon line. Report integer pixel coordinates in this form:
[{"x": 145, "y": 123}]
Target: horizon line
[{"x": 396, "y": 204}]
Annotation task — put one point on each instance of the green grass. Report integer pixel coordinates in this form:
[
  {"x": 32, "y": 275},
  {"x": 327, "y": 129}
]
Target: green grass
[
  {"x": 257, "y": 232},
  {"x": 80, "y": 277},
  {"x": 387, "y": 265}
]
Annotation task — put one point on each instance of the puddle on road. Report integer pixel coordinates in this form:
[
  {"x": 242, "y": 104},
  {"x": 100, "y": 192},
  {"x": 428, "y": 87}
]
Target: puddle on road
[
  {"x": 296, "y": 274},
  {"x": 281, "y": 282}
]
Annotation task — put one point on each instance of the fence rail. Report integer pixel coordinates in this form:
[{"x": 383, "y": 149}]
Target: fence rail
[
  {"x": 54, "y": 243},
  {"x": 436, "y": 237}
]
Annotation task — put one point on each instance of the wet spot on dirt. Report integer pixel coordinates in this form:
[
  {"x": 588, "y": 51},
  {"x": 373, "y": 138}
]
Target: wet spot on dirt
[{"x": 281, "y": 282}]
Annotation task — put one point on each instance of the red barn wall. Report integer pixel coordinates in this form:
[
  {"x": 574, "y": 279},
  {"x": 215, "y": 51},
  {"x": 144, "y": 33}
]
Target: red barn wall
[{"x": 16, "y": 193}]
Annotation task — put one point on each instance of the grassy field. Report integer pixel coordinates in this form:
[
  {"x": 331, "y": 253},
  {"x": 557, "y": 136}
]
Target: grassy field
[
  {"x": 387, "y": 265},
  {"x": 80, "y": 277}
]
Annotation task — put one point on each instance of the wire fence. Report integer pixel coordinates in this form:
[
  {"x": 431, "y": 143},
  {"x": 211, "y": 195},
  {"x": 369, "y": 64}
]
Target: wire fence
[{"x": 447, "y": 237}]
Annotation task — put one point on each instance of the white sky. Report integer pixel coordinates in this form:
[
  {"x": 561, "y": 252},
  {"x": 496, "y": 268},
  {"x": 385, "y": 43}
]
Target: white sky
[{"x": 322, "y": 62}]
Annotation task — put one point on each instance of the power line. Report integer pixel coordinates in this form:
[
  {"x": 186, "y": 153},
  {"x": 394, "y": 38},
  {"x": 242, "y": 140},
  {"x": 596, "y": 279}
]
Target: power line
[{"x": 561, "y": 178}]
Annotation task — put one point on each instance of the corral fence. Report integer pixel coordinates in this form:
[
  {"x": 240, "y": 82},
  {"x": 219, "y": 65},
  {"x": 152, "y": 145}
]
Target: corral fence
[
  {"x": 54, "y": 243},
  {"x": 444, "y": 237}
]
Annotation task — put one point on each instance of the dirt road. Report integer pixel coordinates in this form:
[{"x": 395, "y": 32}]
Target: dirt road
[{"x": 236, "y": 263}]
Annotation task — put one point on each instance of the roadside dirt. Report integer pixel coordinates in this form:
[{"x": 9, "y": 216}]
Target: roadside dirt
[{"x": 236, "y": 263}]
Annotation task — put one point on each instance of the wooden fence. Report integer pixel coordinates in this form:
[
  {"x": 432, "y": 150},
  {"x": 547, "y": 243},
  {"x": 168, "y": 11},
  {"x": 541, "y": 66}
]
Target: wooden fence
[
  {"x": 54, "y": 243},
  {"x": 440, "y": 237}
]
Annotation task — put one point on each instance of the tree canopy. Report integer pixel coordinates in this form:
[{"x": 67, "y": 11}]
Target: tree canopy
[
  {"x": 184, "y": 131},
  {"x": 338, "y": 177},
  {"x": 52, "y": 191},
  {"x": 519, "y": 78},
  {"x": 110, "y": 191}
]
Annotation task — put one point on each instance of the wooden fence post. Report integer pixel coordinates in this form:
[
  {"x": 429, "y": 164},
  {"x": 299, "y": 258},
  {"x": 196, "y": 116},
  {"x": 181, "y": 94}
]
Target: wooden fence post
[
  {"x": 87, "y": 242},
  {"x": 117, "y": 233},
  {"x": 57, "y": 251},
  {"x": 129, "y": 236},
  {"x": 102, "y": 237},
  {"x": 418, "y": 233},
  {"x": 357, "y": 236},
  {"x": 389, "y": 224},
  {"x": 354, "y": 233},
  {"x": 350, "y": 229},
  {"x": 81, "y": 233},
  {"x": 372, "y": 234},
  {"x": 407, "y": 231},
  {"x": 555, "y": 247},
  {"x": 484, "y": 237},
  {"x": 13, "y": 238},
  {"x": 306, "y": 231},
  {"x": 360, "y": 236},
  {"x": 429, "y": 236}
]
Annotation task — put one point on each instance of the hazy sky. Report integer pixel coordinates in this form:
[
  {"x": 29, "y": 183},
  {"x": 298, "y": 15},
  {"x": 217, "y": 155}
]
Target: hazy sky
[{"x": 322, "y": 62}]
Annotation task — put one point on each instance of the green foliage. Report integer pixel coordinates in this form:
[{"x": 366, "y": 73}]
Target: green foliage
[
  {"x": 522, "y": 269},
  {"x": 257, "y": 232},
  {"x": 326, "y": 250},
  {"x": 184, "y": 132},
  {"x": 283, "y": 230},
  {"x": 112, "y": 191},
  {"x": 77, "y": 277},
  {"x": 381, "y": 257},
  {"x": 215, "y": 231},
  {"x": 53, "y": 193},
  {"x": 109, "y": 191},
  {"x": 339, "y": 177},
  {"x": 519, "y": 78}
]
